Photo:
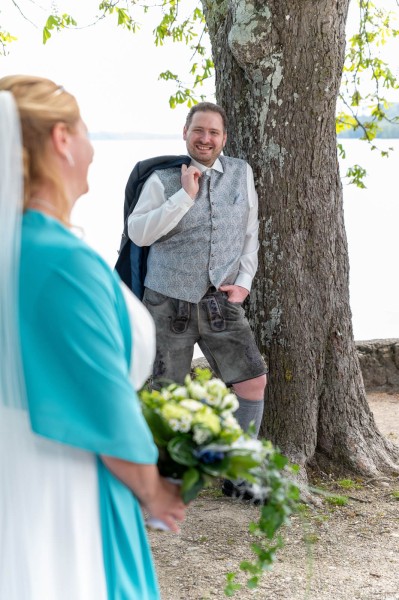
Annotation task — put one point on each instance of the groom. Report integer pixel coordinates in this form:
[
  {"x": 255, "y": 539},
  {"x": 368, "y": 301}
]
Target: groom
[{"x": 201, "y": 224}]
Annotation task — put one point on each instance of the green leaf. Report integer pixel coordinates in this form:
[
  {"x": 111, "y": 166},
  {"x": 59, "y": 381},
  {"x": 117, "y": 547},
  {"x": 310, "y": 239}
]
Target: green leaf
[
  {"x": 253, "y": 582},
  {"x": 192, "y": 484},
  {"x": 52, "y": 22},
  {"x": 159, "y": 429},
  {"x": 191, "y": 476},
  {"x": 279, "y": 460},
  {"x": 239, "y": 465},
  {"x": 356, "y": 174},
  {"x": 181, "y": 449},
  {"x": 46, "y": 35},
  {"x": 216, "y": 469}
]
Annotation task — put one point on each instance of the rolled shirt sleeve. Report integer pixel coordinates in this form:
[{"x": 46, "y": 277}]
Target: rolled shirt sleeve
[
  {"x": 155, "y": 214},
  {"x": 249, "y": 256}
]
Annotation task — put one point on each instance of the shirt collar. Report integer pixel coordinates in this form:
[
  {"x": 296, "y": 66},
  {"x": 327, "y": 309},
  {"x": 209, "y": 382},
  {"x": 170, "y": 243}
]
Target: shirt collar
[{"x": 217, "y": 165}]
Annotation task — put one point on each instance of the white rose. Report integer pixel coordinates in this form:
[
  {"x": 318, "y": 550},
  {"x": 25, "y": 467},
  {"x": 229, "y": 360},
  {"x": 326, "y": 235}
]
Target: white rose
[
  {"x": 229, "y": 421},
  {"x": 201, "y": 435},
  {"x": 174, "y": 424},
  {"x": 180, "y": 392},
  {"x": 197, "y": 391},
  {"x": 191, "y": 405},
  {"x": 213, "y": 400},
  {"x": 185, "y": 425},
  {"x": 229, "y": 402},
  {"x": 252, "y": 446},
  {"x": 216, "y": 387}
]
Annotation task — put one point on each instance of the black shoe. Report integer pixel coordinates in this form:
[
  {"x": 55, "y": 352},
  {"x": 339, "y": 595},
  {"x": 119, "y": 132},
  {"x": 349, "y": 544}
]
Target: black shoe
[{"x": 240, "y": 491}]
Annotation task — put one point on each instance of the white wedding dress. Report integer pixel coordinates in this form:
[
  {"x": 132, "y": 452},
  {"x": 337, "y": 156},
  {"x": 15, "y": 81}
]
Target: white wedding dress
[{"x": 49, "y": 498}]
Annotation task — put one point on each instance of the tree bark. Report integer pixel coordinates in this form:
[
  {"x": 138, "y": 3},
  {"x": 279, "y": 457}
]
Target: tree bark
[{"x": 278, "y": 70}]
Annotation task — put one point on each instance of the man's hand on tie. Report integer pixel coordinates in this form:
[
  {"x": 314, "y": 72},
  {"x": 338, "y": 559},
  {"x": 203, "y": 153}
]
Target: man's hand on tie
[{"x": 189, "y": 180}]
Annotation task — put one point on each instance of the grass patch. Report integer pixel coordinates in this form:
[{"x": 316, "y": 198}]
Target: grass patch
[
  {"x": 311, "y": 538},
  {"x": 303, "y": 509},
  {"x": 319, "y": 519},
  {"x": 349, "y": 484},
  {"x": 395, "y": 495},
  {"x": 212, "y": 492},
  {"x": 336, "y": 500}
]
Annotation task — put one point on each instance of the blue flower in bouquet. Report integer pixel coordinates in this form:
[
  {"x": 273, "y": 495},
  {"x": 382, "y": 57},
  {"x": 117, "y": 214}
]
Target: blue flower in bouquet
[{"x": 210, "y": 456}]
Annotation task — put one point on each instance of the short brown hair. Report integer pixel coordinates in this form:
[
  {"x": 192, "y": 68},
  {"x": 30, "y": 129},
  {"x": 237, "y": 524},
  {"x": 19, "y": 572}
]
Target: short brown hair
[
  {"x": 41, "y": 105},
  {"x": 207, "y": 107}
]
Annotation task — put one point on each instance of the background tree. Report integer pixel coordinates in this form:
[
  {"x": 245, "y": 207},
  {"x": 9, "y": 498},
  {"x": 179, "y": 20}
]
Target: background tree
[{"x": 278, "y": 71}]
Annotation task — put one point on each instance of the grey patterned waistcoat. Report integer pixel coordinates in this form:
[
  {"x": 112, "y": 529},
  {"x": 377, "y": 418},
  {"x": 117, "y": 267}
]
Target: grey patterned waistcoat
[{"x": 205, "y": 247}]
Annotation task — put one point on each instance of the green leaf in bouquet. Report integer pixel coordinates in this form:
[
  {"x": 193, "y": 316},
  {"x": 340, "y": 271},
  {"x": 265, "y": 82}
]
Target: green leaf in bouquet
[
  {"x": 193, "y": 483},
  {"x": 228, "y": 437},
  {"x": 216, "y": 469},
  {"x": 168, "y": 467},
  {"x": 151, "y": 398},
  {"x": 160, "y": 430},
  {"x": 253, "y": 582},
  {"x": 246, "y": 565},
  {"x": 202, "y": 375},
  {"x": 181, "y": 449},
  {"x": 279, "y": 460},
  {"x": 190, "y": 478},
  {"x": 266, "y": 556},
  {"x": 231, "y": 587},
  {"x": 239, "y": 465},
  {"x": 272, "y": 517}
]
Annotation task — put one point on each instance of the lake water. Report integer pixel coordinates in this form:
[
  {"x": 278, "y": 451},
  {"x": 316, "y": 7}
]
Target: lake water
[{"x": 371, "y": 218}]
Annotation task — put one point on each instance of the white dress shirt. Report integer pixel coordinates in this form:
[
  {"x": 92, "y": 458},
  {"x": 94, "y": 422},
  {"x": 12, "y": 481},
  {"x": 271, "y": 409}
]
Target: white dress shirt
[{"x": 155, "y": 215}]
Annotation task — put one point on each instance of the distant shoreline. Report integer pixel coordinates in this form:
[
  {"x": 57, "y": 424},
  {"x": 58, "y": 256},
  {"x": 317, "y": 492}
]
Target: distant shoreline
[{"x": 131, "y": 135}]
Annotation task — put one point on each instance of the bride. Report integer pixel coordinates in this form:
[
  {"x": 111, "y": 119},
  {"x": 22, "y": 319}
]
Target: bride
[{"x": 73, "y": 442}]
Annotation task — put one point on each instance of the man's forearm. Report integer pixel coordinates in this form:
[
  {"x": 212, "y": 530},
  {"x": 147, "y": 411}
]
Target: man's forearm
[{"x": 154, "y": 215}]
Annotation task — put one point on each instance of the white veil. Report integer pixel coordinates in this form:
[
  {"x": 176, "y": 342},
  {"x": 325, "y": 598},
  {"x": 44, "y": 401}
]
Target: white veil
[
  {"x": 13, "y": 404},
  {"x": 12, "y": 388}
]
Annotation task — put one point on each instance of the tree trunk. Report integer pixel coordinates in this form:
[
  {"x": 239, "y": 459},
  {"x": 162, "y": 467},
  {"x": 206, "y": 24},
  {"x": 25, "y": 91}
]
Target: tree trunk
[{"x": 278, "y": 70}]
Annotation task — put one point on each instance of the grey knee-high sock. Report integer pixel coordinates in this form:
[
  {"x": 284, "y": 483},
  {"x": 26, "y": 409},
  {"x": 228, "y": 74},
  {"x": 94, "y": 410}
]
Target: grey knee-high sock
[{"x": 249, "y": 410}]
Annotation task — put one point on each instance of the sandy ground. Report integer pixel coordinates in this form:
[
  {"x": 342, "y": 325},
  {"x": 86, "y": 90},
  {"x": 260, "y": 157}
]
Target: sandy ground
[{"x": 332, "y": 553}]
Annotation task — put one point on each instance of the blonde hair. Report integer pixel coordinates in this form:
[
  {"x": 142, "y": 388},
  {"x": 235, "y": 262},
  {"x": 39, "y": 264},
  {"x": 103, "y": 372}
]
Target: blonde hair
[{"x": 41, "y": 104}]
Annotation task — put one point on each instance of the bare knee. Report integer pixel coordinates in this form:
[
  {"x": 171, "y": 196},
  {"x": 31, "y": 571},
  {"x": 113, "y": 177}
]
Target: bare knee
[{"x": 252, "y": 389}]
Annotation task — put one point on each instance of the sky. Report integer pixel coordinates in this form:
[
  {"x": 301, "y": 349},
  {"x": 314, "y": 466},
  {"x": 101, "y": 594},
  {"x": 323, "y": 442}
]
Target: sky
[{"x": 112, "y": 72}]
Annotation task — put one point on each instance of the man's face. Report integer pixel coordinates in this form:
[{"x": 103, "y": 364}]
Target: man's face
[{"x": 205, "y": 137}]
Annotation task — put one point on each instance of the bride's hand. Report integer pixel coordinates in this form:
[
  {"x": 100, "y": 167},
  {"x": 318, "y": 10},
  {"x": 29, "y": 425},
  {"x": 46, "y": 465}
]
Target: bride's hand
[{"x": 167, "y": 505}]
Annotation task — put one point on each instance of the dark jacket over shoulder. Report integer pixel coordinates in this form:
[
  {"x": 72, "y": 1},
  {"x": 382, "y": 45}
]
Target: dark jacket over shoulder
[{"x": 132, "y": 261}]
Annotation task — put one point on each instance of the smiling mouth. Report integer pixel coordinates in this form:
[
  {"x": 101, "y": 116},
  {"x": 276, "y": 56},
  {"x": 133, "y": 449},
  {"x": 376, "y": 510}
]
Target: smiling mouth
[{"x": 203, "y": 147}]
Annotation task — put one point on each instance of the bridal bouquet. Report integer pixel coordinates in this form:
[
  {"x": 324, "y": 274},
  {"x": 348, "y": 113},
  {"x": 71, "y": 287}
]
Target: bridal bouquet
[
  {"x": 199, "y": 440},
  {"x": 197, "y": 435}
]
